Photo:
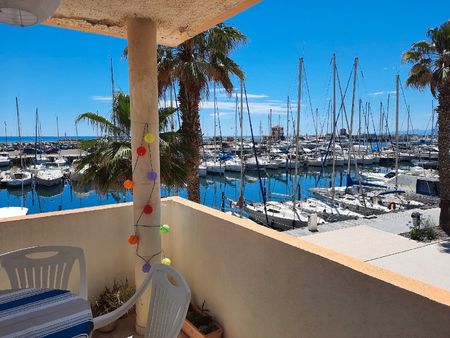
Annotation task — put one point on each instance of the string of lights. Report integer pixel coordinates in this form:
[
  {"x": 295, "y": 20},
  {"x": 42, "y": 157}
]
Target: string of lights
[{"x": 152, "y": 176}]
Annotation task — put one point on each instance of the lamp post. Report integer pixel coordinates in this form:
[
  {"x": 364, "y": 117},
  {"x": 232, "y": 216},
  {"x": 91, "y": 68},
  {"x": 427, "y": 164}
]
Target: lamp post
[{"x": 26, "y": 13}]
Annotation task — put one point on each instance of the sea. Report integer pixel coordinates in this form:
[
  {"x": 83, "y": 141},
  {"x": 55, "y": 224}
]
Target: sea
[
  {"x": 31, "y": 139},
  {"x": 215, "y": 191}
]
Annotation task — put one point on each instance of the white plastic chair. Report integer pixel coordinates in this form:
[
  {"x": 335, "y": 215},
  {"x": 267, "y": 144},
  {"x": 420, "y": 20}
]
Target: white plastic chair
[
  {"x": 44, "y": 267},
  {"x": 170, "y": 297}
]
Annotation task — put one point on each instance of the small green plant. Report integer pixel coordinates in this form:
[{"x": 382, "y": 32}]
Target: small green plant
[
  {"x": 424, "y": 232},
  {"x": 201, "y": 319},
  {"x": 112, "y": 297}
]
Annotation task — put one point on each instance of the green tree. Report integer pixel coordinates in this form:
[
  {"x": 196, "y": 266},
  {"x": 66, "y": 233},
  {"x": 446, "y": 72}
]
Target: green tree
[
  {"x": 193, "y": 65},
  {"x": 431, "y": 67},
  {"x": 109, "y": 164}
]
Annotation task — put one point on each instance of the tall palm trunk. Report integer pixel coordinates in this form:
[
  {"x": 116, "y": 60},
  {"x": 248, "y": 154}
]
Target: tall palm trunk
[
  {"x": 444, "y": 158},
  {"x": 189, "y": 98}
]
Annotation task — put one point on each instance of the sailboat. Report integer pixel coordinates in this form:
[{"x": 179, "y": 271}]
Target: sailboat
[
  {"x": 284, "y": 215},
  {"x": 214, "y": 165},
  {"x": 328, "y": 212},
  {"x": 17, "y": 177}
]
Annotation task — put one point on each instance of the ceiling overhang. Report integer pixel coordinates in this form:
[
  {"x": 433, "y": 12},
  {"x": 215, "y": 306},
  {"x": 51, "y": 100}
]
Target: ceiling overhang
[{"x": 177, "y": 20}]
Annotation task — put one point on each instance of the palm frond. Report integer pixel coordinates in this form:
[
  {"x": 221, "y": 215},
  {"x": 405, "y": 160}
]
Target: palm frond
[{"x": 100, "y": 122}]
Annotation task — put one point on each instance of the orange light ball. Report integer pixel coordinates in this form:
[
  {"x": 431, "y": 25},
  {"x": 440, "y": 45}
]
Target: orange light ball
[
  {"x": 128, "y": 184},
  {"x": 133, "y": 239}
]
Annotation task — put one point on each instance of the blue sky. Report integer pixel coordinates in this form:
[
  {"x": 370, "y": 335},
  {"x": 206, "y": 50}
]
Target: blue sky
[{"x": 64, "y": 73}]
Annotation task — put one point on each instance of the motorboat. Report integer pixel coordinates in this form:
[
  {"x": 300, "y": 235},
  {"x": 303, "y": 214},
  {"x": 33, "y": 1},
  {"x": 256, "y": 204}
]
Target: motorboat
[
  {"x": 16, "y": 178},
  {"x": 49, "y": 177}
]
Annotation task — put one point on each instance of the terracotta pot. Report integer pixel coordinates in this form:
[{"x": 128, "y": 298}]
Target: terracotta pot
[
  {"x": 192, "y": 332},
  {"x": 108, "y": 328}
]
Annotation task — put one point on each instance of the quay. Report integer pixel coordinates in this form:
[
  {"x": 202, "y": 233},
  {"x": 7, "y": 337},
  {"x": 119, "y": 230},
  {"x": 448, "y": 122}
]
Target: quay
[
  {"x": 378, "y": 242},
  {"x": 69, "y": 154}
]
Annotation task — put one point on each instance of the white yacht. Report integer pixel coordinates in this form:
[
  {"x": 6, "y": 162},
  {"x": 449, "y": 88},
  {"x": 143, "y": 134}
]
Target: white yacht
[
  {"x": 280, "y": 215},
  {"x": 215, "y": 167},
  {"x": 330, "y": 213},
  {"x": 4, "y": 161},
  {"x": 352, "y": 200},
  {"x": 233, "y": 165},
  {"x": 76, "y": 175},
  {"x": 202, "y": 170},
  {"x": 49, "y": 177},
  {"x": 7, "y": 212},
  {"x": 16, "y": 178}
]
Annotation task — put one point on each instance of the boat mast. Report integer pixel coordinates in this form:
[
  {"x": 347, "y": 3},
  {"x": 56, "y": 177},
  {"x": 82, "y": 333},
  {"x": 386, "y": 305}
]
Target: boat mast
[
  {"x": 397, "y": 81},
  {"x": 334, "y": 128},
  {"x": 270, "y": 129},
  {"x": 380, "y": 131},
  {"x": 57, "y": 128},
  {"x": 113, "y": 93},
  {"x": 241, "y": 121},
  {"x": 172, "y": 120},
  {"x": 287, "y": 125},
  {"x": 215, "y": 121},
  {"x": 350, "y": 132},
  {"x": 19, "y": 134},
  {"x": 432, "y": 122},
  {"x": 36, "y": 138},
  {"x": 297, "y": 131},
  {"x": 235, "y": 125}
]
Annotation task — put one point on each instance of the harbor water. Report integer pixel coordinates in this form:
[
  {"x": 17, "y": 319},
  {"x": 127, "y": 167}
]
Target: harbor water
[{"x": 215, "y": 191}]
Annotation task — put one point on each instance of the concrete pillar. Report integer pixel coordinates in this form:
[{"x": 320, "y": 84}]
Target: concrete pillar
[{"x": 144, "y": 109}]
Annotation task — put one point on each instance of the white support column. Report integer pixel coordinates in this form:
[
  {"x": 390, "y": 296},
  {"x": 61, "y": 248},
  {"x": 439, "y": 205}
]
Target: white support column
[{"x": 144, "y": 109}]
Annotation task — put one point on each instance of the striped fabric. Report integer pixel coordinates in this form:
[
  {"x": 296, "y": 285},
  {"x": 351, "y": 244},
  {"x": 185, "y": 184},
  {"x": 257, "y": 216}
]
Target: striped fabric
[{"x": 32, "y": 313}]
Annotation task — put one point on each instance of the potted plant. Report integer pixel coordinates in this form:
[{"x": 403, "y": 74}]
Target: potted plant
[
  {"x": 200, "y": 324},
  {"x": 110, "y": 299}
]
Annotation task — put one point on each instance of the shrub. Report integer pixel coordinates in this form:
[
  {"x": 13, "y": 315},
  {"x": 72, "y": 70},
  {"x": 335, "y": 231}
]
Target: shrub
[{"x": 112, "y": 298}]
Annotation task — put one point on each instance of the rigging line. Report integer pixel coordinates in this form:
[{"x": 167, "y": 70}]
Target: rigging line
[
  {"x": 172, "y": 87},
  {"x": 256, "y": 157},
  {"x": 218, "y": 121},
  {"x": 327, "y": 102},
  {"x": 342, "y": 107},
  {"x": 309, "y": 99},
  {"x": 377, "y": 141}
]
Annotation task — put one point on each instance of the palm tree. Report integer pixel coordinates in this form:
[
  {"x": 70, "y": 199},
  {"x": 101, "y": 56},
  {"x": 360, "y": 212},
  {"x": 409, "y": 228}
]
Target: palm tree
[
  {"x": 431, "y": 67},
  {"x": 193, "y": 65},
  {"x": 109, "y": 164}
]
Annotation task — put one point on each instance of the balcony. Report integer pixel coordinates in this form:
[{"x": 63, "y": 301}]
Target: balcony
[{"x": 257, "y": 282}]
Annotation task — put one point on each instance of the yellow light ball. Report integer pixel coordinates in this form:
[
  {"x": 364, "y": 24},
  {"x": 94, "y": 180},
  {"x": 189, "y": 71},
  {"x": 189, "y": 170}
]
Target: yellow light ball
[
  {"x": 149, "y": 138},
  {"x": 166, "y": 261}
]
